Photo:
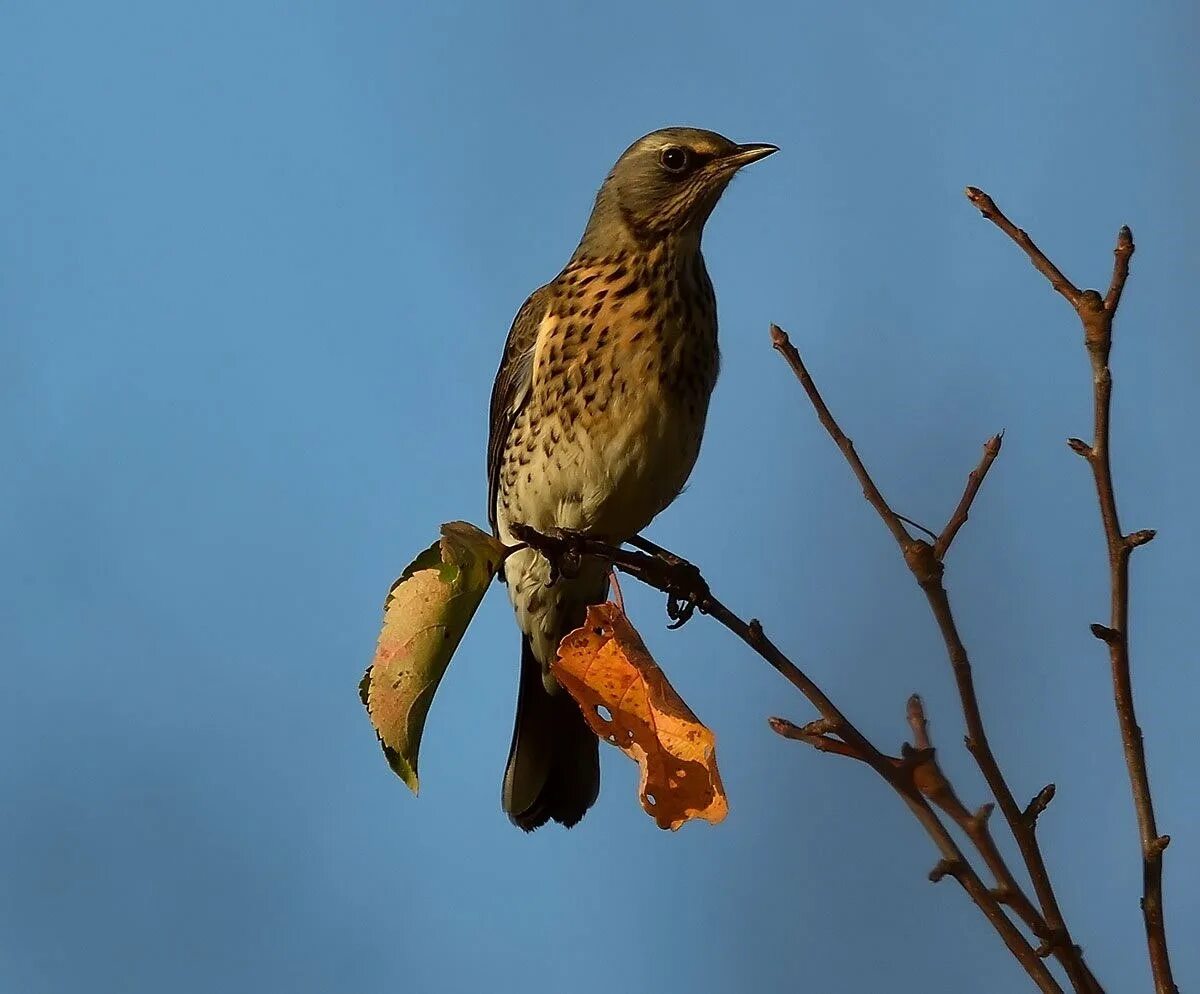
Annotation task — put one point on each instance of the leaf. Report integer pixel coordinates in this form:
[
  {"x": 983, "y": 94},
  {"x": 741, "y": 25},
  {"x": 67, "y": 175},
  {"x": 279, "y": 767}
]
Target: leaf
[
  {"x": 424, "y": 618},
  {"x": 627, "y": 701}
]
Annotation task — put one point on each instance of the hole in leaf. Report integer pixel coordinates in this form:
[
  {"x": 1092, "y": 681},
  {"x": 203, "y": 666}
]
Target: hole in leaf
[
  {"x": 650, "y": 799},
  {"x": 604, "y": 713}
]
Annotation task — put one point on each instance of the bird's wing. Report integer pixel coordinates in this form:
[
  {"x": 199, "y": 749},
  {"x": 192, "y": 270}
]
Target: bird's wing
[{"x": 511, "y": 389}]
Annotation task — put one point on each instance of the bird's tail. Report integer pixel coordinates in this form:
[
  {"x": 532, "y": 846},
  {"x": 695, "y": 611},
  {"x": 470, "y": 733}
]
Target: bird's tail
[{"x": 553, "y": 770}]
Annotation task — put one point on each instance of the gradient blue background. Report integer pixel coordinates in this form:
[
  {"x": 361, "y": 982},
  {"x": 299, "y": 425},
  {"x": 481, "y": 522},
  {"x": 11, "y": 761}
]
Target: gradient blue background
[{"x": 256, "y": 264}]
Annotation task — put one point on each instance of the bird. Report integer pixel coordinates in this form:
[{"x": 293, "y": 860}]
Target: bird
[{"x": 596, "y": 417}]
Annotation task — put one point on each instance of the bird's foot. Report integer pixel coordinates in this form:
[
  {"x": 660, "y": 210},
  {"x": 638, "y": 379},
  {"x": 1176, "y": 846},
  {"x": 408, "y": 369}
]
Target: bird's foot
[
  {"x": 686, "y": 588},
  {"x": 568, "y": 562},
  {"x": 689, "y": 591},
  {"x": 562, "y": 548}
]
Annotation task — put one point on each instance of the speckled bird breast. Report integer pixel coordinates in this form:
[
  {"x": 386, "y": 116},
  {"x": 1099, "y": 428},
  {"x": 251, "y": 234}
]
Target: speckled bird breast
[{"x": 625, "y": 362}]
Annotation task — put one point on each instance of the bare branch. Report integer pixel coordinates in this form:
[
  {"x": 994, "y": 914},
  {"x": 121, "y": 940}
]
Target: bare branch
[
  {"x": 973, "y": 824},
  {"x": 991, "y": 449},
  {"x": 987, "y": 207},
  {"x": 1039, "y": 804},
  {"x": 1121, "y": 256},
  {"x": 679, "y": 579},
  {"x": 813, "y": 736},
  {"x": 783, "y": 345},
  {"x": 923, "y": 562},
  {"x": 1096, "y": 314},
  {"x": 1137, "y": 538}
]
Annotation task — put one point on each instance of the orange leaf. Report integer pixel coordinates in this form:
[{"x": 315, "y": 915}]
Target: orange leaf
[{"x": 627, "y": 701}]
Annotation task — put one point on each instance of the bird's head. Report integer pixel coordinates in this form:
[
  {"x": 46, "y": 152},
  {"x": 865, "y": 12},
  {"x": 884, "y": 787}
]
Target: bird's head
[{"x": 666, "y": 183}]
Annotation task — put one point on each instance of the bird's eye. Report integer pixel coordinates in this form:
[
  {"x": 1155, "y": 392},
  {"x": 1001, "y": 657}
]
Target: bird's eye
[{"x": 674, "y": 159}]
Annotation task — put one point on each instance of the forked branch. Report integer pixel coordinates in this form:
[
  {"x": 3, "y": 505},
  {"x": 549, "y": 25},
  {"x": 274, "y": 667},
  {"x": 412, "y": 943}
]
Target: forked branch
[
  {"x": 1096, "y": 314},
  {"x": 833, "y": 732},
  {"x": 925, "y": 562}
]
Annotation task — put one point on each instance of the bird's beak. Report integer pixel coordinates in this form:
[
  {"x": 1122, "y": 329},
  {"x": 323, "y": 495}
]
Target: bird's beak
[{"x": 743, "y": 155}]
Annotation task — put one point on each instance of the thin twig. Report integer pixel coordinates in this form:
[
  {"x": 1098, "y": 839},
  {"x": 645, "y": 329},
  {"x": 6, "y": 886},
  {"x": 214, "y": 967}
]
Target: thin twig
[
  {"x": 991, "y": 449},
  {"x": 922, "y": 560},
  {"x": 987, "y": 207},
  {"x": 871, "y": 492},
  {"x": 918, "y": 526},
  {"x": 1096, "y": 314},
  {"x": 680, "y": 580},
  {"x": 821, "y": 741}
]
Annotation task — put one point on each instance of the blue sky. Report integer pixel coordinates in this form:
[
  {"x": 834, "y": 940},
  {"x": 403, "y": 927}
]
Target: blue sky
[{"x": 257, "y": 261}]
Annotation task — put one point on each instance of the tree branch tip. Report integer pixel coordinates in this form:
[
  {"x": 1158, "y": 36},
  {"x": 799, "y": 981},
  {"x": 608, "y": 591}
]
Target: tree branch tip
[
  {"x": 779, "y": 337},
  {"x": 1039, "y": 804},
  {"x": 1158, "y": 845},
  {"x": 781, "y": 726},
  {"x": 981, "y": 200},
  {"x": 1080, "y": 447},
  {"x": 818, "y": 735},
  {"x": 1134, "y": 539},
  {"x": 812, "y": 729},
  {"x": 1105, "y": 634},
  {"x": 1125, "y": 240},
  {"x": 992, "y": 445}
]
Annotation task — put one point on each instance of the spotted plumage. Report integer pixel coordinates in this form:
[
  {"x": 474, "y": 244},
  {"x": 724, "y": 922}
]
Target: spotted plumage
[{"x": 597, "y": 414}]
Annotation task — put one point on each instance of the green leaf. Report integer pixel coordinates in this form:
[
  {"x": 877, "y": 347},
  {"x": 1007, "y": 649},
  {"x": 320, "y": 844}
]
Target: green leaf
[{"x": 424, "y": 618}]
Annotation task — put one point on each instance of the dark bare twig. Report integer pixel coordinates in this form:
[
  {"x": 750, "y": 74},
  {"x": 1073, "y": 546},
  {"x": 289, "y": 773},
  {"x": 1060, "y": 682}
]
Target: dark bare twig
[
  {"x": 988, "y": 209},
  {"x": 991, "y": 449},
  {"x": 834, "y": 732},
  {"x": 820, "y": 740},
  {"x": 779, "y": 340},
  {"x": 1040, "y": 802},
  {"x": 927, "y": 568},
  {"x": 919, "y": 527},
  {"x": 1096, "y": 314}
]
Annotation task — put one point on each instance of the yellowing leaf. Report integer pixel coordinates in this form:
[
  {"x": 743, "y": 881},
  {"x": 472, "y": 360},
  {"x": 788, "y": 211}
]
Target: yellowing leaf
[
  {"x": 424, "y": 618},
  {"x": 627, "y": 701}
]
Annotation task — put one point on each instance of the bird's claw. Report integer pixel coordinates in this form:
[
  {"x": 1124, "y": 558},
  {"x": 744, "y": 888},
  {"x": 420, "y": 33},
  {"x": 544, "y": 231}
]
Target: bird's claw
[
  {"x": 679, "y": 610},
  {"x": 562, "y": 549},
  {"x": 568, "y": 562},
  {"x": 688, "y": 591}
]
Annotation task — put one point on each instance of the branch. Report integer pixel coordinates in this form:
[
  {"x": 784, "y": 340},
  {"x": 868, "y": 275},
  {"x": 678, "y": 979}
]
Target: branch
[
  {"x": 815, "y": 734},
  {"x": 1096, "y": 314},
  {"x": 779, "y": 340},
  {"x": 991, "y": 449},
  {"x": 927, "y": 568},
  {"x": 974, "y": 825},
  {"x": 833, "y": 732},
  {"x": 987, "y": 207}
]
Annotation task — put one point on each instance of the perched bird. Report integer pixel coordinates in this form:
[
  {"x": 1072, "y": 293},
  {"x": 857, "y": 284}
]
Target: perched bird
[{"x": 596, "y": 418}]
